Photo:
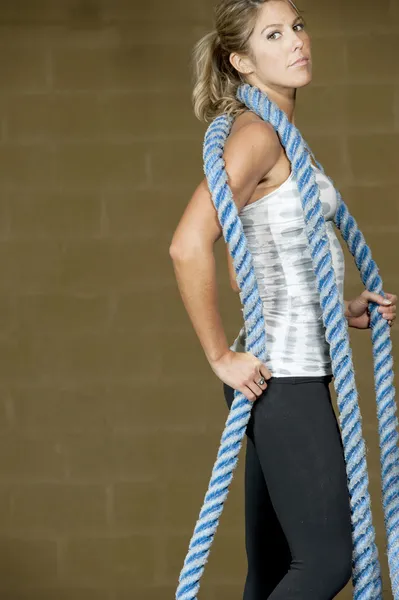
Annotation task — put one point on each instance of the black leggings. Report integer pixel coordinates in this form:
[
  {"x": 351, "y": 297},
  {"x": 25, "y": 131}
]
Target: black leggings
[{"x": 297, "y": 512}]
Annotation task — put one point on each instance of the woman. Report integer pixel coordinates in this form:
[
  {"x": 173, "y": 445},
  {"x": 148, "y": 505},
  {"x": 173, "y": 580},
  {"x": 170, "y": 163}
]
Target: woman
[{"x": 298, "y": 525}]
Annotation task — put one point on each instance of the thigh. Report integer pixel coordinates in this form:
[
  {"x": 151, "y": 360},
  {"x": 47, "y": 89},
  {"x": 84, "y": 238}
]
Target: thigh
[
  {"x": 264, "y": 536},
  {"x": 265, "y": 539},
  {"x": 298, "y": 442}
]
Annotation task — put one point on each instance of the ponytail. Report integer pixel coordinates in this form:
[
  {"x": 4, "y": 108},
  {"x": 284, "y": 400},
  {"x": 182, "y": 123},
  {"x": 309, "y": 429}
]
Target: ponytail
[{"x": 215, "y": 80}]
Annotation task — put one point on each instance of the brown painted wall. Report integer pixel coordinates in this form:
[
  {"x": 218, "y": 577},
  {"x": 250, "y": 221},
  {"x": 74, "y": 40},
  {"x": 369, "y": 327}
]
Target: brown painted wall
[{"x": 110, "y": 417}]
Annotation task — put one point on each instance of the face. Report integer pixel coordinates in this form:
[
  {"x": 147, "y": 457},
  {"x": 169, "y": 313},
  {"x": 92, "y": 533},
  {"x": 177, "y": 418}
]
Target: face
[{"x": 278, "y": 41}]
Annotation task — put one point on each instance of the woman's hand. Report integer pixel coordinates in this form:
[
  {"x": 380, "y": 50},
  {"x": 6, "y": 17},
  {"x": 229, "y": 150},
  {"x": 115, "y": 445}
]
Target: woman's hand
[
  {"x": 242, "y": 371},
  {"x": 358, "y": 309}
]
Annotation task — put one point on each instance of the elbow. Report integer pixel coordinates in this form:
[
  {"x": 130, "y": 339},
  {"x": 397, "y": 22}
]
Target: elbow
[
  {"x": 174, "y": 251},
  {"x": 187, "y": 247},
  {"x": 179, "y": 252}
]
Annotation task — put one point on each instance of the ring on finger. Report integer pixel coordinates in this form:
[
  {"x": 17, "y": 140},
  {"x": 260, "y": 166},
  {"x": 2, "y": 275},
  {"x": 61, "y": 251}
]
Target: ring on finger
[{"x": 261, "y": 381}]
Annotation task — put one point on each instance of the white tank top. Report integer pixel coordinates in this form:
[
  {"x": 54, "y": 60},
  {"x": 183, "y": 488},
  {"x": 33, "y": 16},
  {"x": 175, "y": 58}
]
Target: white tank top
[{"x": 274, "y": 227}]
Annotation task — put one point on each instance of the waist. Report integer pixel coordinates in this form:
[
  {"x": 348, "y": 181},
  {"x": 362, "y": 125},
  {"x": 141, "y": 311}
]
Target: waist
[{"x": 297, "y": 379}]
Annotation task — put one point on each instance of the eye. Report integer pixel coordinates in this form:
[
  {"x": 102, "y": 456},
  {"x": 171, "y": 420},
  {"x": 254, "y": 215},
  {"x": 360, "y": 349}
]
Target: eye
[{"x": 271, "y": 36}]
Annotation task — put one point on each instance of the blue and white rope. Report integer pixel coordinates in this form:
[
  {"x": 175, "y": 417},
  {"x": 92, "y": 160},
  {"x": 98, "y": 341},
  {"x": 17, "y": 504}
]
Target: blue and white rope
[{"x": 366, "y": 576}]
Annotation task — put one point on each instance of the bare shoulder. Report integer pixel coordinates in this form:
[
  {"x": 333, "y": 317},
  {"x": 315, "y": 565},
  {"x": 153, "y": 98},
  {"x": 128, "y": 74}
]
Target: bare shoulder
[
  {"x": 245, "y": 119},
  {"x": 252, "y": 141},
  {"x": 250, "y": 152}
]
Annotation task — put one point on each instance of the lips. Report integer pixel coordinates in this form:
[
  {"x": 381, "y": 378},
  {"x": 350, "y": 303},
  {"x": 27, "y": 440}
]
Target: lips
[{"x": 303, "y": 59}]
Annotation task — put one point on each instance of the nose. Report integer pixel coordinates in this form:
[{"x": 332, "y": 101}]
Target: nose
[{"x": 297, "y": 42}]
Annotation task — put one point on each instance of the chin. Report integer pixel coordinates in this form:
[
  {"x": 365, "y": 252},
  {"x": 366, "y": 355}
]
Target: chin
[{"x": 302, "y": 81}]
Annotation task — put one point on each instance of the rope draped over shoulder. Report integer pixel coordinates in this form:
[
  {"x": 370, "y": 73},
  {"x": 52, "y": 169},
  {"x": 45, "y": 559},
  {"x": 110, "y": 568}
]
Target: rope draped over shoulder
[{"x": 366, "y": 576}]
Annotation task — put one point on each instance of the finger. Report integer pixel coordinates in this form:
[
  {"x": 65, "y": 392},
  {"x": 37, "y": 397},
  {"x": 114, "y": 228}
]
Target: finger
[
  {"x": 389, "y": 317},
  {"x": 265, "y": 372},
  {"x": 258, "y": 388},
  {"x": 377, "y": 298},
  {"x": 261, "y": 372},
  {"x": 392, "y": 297},
  {"x": 248, "y": 393},
  {"x": 255, "y": 389},
  {"x": 261, "y": 386}
]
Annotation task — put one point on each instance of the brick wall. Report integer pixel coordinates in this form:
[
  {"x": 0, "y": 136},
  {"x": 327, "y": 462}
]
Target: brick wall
[{"x": 110, "y": 417}]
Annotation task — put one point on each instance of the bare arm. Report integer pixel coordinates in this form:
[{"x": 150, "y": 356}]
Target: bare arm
[
  {"x": 196, "y": 278},
  {"x": 252, "y": 152},
  {"x": 232, "y": 272}
]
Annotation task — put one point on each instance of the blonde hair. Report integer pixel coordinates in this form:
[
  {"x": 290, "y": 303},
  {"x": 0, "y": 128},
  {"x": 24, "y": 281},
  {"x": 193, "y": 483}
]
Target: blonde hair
[{"x": 215, "y": 79}]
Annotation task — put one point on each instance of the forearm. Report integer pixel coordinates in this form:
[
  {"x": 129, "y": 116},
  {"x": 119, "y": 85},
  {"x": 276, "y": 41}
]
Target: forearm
[{"x": 196, "y": 279}]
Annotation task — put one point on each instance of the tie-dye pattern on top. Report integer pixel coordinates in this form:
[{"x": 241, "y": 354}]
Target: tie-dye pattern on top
[{"x": 275, "y": 230}]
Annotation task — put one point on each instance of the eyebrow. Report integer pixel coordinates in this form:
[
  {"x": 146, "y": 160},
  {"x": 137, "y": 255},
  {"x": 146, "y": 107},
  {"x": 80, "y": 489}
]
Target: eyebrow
[{"x": 299, "y": 18}]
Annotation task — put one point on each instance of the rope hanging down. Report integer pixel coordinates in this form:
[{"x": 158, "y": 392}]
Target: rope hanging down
[{"x": 366, "y": 577}]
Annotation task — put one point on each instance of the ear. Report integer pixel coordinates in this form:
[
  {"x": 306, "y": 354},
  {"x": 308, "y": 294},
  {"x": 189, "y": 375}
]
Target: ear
[{"x": 241, "y": 64}]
